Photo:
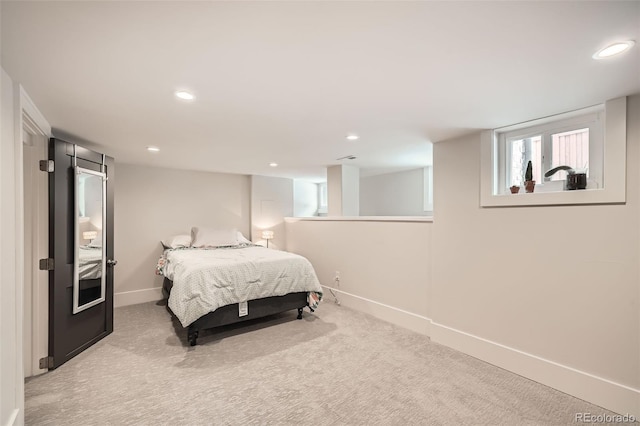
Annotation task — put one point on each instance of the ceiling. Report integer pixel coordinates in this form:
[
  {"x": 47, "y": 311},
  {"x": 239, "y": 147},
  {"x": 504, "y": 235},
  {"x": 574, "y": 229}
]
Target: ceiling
[{"x": 285, "y": 82}]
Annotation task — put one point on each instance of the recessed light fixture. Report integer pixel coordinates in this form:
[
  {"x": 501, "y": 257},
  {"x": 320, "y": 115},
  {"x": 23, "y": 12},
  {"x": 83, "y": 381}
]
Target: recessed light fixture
[
  {"x": 613, "y": 49},
  {"x": 352, "y": 137},
  {"x": 273, "y": 164},
  {"x": 153, "y": 149},
  {"x": 185, "y": 95}
]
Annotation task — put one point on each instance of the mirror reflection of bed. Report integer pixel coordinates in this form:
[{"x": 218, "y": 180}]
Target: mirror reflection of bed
[
  {"x": 89, "y": 273},
  {"x": 90, "y": 254}
]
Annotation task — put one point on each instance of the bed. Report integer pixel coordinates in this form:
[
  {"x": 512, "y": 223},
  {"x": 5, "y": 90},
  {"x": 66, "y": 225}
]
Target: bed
[
  {"x": 89, "y": 262},
  {"x": 210, "y": 286}
]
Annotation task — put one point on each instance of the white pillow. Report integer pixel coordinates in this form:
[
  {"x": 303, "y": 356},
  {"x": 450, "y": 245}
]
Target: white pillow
[
  {"x": 177, "y": 241},
  {"x": 242, "y": 239},
  {"x": 210, "y": 237}
]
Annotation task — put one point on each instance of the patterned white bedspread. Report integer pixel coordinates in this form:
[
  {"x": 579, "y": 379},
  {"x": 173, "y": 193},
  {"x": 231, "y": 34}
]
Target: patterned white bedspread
[{"x": 206, "y": 279}]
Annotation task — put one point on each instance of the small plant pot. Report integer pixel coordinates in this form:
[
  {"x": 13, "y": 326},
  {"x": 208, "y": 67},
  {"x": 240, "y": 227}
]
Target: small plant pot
[
  {"x": 529, "y": 185},
  {"x": 515, "y": 189}
]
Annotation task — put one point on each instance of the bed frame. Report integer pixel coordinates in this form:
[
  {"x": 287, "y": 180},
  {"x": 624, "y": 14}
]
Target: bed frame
[{"x": 226, "y": 315}]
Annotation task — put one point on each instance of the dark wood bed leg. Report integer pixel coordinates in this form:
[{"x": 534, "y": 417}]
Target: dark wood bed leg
[
  {"x": 299, "y": 313},
  {"x": 192, "y": 336}
]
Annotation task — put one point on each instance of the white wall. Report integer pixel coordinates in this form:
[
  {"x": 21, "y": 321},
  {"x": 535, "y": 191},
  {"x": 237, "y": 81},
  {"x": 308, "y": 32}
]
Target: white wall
[
  {"x": 154, "y": 203},
  {"x": 334, "y": 190},
  {"x": 350, "y": 191},
  {"x": 343, "y": 189},
  {"x": 305, "y": 198},
  {"x": 384, "y": 267},
  {"x": 551, "y": 293},
  {"x": 393, "y": 194},
  {"x": 271, "y": 202},
  {"x": 11, "y": 368}
]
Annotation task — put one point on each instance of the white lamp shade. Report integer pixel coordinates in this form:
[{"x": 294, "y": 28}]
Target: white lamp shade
[
  {"x": 90, "y": 235},
  {"x": 267, "y": 235}
]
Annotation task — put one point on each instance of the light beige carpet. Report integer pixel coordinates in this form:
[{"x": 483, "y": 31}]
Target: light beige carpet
[{"x": 336, "y": 366}]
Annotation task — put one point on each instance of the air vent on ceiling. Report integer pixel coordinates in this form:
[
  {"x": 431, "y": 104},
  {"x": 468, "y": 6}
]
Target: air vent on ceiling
[{"x": 347, "y": 157}]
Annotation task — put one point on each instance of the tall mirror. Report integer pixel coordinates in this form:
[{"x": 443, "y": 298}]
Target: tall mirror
[{"x": 90, "y": 213}]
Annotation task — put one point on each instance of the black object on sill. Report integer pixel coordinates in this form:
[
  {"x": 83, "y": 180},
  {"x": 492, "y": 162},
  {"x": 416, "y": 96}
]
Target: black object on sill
[
  {"x": 574, "y": 180},
  {"x": 577, "y": 181}
]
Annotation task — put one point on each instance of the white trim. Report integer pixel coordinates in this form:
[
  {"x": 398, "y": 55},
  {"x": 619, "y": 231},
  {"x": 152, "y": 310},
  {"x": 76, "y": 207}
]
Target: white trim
[
  {"x": 29, "y": 119},
  {"x": 36, "y": 117},
  {"x": 13, "y": 418},
  {"x": 614, "y": 169},
  {"x": 427, "y": 180},
  {"x": 597, "y": 390},
  {"x": 615, "y": 154},
  {"x": 400, "y": 317},
  {"x": 36, "y": 282},
  {"x": 19, "y": 251},
  {"x": 552, "y": 118},
  {"x": 362, "y": 219},
  {"x": 135, "y": 297}
]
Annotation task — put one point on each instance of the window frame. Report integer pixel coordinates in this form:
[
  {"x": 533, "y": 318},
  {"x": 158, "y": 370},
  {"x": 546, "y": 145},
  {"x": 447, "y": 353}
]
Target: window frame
[
  {"x": 505, "y": 146},
  {"x": 613, "y": 151},
  {"x": 323, "y": 204},
  {"x": 428, "y": 189},
  {"x": 591, "y": 121}
]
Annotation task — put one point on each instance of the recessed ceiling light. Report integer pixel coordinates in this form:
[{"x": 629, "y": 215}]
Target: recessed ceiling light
[
  {"x": 153, "y": 149},
  {"x": 273, "y": 164},
  {"x": 185, "y": 95},
  {"x": 352, "y": 137},
  {"x": 613, "y": 49}
]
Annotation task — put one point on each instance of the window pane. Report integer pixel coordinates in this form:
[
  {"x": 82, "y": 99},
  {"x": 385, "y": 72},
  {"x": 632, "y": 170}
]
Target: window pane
[
  {"x": 570, "y": 149},
  {"x": 523, "y": 151},
  {"x": 323, "y": 194}
]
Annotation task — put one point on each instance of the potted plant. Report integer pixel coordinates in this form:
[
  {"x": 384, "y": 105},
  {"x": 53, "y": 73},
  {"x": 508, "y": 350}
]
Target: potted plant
[
  {"x": 515, "y": 189},
  {"x": 529, "y": 183}
]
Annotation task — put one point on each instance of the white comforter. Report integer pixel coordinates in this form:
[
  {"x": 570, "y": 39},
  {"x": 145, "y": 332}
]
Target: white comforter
[
  {"x": 206, "y": 279},
  {"x": 89, "y": 262}
]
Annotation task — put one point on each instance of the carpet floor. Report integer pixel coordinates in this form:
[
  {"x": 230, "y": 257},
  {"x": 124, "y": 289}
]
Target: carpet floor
[{"x": 336, "y": 366}]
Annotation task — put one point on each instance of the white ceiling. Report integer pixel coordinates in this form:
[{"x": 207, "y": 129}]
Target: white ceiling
[{"x": 287, "y": 81}]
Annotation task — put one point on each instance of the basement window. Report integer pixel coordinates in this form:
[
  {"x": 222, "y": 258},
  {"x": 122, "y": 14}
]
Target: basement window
[
  {"x": 323, "y": 199},
  {"x": 575, "y": 142},
  {"x": 590, "y": 141}
]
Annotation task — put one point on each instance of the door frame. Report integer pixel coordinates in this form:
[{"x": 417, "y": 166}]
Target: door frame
[{"x": 30, "y": 125}]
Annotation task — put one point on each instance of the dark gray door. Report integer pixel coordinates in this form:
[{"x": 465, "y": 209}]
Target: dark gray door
[{"x": 69, "y": 333}]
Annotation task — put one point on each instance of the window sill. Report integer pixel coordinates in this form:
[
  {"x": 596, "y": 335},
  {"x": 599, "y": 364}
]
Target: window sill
[
  {"x": 583, "y": 196},
  {"x": 362, "y": 219}
]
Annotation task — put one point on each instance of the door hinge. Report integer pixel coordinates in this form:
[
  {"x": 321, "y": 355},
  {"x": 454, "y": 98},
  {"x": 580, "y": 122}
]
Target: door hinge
[
  {"x": 46, "y": 264},
  {"x": 46, "y": 362},
  {"x": 47, "y": 166}
]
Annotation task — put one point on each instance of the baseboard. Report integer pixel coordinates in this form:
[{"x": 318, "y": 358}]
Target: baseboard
[
  {"x": 605, "y": 393},
  {"x": 134, "y": 297},
  {"x": 402, "y": 318}
]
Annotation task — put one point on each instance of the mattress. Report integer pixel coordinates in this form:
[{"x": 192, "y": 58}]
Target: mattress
[{"x": 206, "y": 279}]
